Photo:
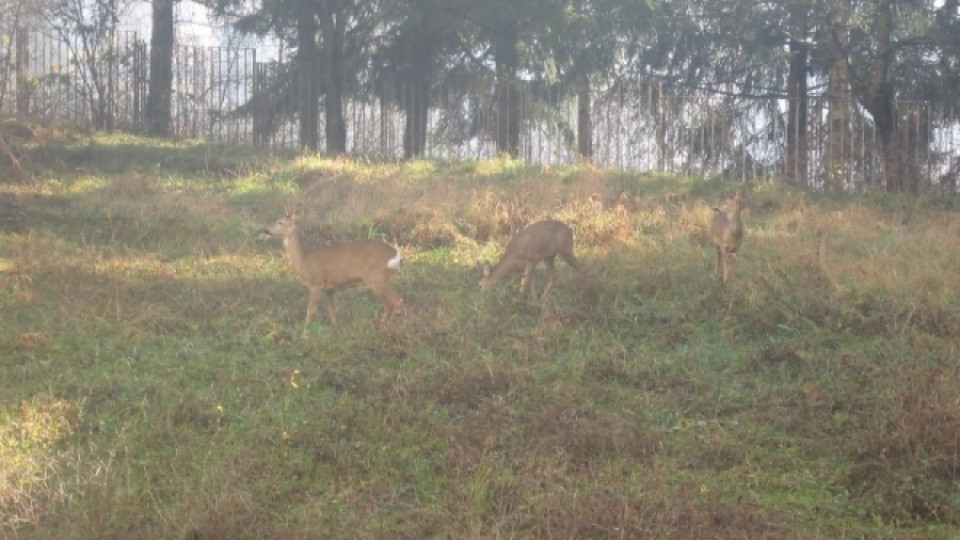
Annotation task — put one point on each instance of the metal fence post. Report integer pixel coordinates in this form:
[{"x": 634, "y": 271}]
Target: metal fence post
[{"x": 22, "y": 59}]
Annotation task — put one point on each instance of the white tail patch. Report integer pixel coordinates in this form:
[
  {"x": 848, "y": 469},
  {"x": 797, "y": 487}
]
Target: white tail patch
[{"x": 396, "y": 261}]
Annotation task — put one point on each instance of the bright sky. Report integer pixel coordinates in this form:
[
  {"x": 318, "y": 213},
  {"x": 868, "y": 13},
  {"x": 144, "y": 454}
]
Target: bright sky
[
  {"x": 191, "y": 22},
  {"x": 193, "y": 26}
]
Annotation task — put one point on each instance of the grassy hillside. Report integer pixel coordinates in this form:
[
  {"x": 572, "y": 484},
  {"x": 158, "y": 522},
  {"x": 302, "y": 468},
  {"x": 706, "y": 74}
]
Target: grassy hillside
[{"x": 156, "y": 380}]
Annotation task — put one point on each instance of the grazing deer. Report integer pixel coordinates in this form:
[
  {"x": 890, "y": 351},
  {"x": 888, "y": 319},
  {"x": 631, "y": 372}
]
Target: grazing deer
[
  {"x": 327, "y": 269},
  {"x": 541, "y": 241},
  {"x": 726, "y": 232}
]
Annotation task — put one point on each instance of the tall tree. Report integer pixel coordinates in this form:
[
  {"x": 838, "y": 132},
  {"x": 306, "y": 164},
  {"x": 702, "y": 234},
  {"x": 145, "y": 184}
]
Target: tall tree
[
  {"x": 506, "y": 28},
  {"x": 334, "y": 18},
  {"x": 798, "y": 76},
  {"x": 509, "y": 107},
  {"x": 839, "y": 106},
  {"x": 296, "y": 92},
  {"x": 588, "y": 41},
  {"x": 895, "y": 50},
  {"x": 420, "y": 38},
  {"x": 330, "y": 43},
  {"x": 307, "y": 76},
  {"x": 161, "y": 69},
  {"x": 745, "y": 52},
  {"x": 348, "y": 30}
]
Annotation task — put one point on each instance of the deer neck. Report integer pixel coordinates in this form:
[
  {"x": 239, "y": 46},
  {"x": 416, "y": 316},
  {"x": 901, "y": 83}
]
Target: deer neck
[
  {"x": 735, "y": 215},
  {"x": 497, "y": 270},
  {"x": 296, "y": 249}
]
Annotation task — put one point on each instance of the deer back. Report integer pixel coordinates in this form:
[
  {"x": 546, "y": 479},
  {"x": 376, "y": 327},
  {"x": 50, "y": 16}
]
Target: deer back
[
  {"x": 529, "y": 246},
  {"x": 350, "y": 262}
]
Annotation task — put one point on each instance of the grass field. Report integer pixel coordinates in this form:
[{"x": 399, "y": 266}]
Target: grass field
[{"x": 157, "y": 381}]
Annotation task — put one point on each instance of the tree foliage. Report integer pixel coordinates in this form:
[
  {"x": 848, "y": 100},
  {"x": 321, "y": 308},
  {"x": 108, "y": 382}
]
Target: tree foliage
[{"x": 863, "y": 57}]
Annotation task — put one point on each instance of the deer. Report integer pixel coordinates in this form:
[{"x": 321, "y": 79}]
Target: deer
[
  {"x": 325, "y": 270},
  {"x": 726, "y": 233},
  {"x": 540, "y": 241}
]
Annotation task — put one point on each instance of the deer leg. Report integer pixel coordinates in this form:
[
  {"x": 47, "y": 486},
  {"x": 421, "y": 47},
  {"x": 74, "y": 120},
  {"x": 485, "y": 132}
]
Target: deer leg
[
  {"x": 312, "y": 304},
  {"x": 720, "y": 261},
  {"x": 392, "y": 303},
  {"x": 551, "y": 276},
  {"x": 525, "y": 281},
  {"x": 729, "y": 259},
  {"x": 332, "y": 307}
]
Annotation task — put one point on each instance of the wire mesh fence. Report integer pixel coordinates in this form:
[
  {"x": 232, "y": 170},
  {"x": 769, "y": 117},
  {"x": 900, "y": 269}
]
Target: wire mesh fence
[{"x": 224, "y": 94}]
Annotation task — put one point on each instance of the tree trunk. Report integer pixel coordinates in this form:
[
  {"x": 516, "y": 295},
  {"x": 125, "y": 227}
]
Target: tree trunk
[
  {"x": 333, "y": 30},
  {"x": 508, "y": 96},
  {"x": 24, "y": 88},
  {"x": 898, "y": 170},
  {"x": 839, "y": 137},
  {"x": 308, "y": 95},
  {"x": 796, "y": 162},
  {"x": 874, "y": 91},
  {"x": 161, "y": 69},
  {"x": 584, "y": 121},
  {"x": 416, "y": 104}
]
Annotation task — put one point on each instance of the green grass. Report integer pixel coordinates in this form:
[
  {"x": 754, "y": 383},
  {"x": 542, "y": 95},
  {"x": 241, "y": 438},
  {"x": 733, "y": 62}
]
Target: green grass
[{"x": 156, "y": 380}]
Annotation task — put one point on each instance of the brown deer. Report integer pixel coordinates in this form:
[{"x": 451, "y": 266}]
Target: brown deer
[
  {"x": 326, "y": 269},
  {"x": 541, "y": 241},
  {"x": 726, "y": 232}
]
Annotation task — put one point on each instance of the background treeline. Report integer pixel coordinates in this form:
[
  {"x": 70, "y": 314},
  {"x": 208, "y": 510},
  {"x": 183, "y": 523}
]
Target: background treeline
[{"x": 859, "y": 60}]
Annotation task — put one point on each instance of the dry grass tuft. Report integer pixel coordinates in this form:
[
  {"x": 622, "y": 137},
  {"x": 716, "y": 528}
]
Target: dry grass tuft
[
  {"x": 420, "y": 226},
  {"x": 907, "y": 464},
  {"x": 28, "y": 457},
  {"x": 582, "y": 435}
]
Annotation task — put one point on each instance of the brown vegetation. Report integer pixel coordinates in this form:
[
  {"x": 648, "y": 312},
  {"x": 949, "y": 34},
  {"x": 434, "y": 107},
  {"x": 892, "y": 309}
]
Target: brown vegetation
[{"x": 154, "y": 381}]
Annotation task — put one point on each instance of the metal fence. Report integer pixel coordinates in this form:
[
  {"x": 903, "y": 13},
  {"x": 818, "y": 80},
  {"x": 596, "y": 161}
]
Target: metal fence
[{"x": 225, "y": 95}]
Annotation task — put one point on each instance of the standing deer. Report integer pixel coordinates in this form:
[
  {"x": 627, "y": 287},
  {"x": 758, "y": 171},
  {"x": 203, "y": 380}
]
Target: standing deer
[
  {"x": 726, "y": 232},
  {"x": 541, "y": 241},
  {"x": 326, "y": 269}
]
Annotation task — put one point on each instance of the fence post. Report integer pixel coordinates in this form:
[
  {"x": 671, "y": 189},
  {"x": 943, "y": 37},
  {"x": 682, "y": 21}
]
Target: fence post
[
  {"x": 23, "y": 72},
  {"x": 661, "y": 127},
  {"x": 141, "y": 59}
]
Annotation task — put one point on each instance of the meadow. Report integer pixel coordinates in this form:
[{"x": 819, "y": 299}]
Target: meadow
[{"x": 157, "y": 381}]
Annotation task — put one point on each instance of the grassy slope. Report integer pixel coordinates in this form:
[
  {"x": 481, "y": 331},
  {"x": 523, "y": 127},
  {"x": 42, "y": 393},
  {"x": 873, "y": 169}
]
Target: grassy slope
[{"x": 155, "y": 379}]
